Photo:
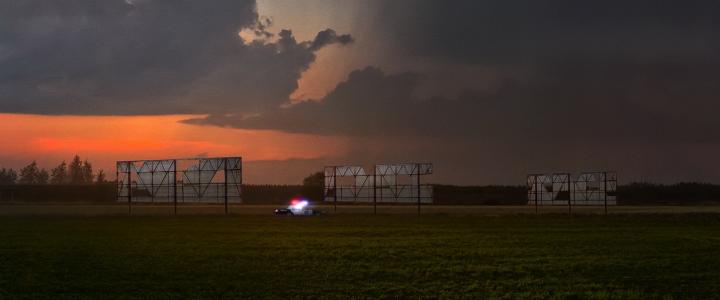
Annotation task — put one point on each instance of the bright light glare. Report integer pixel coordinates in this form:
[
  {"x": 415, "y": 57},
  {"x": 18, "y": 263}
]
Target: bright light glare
[{"x": 298, "y": 205}]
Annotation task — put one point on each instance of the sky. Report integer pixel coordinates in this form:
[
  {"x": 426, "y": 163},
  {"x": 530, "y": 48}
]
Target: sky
[{"x": 488, "y": 91}]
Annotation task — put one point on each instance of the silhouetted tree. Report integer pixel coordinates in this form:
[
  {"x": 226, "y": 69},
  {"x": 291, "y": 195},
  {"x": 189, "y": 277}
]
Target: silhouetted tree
[
  {"x": 100, "y": 178},
  {"x": 313, "y": 186},
  {"x": 31, "y": 174},
  {"x": 75, "y": 171},
  {"x": 59, "y": 174},
  {"x": 7, "y": 176},
  {"x": 315, "y": 179},
  {"x": 43, "y": 177},
  {"x": 87, "y": 173}
]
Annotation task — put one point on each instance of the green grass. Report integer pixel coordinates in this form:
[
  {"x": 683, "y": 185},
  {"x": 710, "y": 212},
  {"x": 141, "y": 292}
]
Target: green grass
[{"x": 361, "y": 256}]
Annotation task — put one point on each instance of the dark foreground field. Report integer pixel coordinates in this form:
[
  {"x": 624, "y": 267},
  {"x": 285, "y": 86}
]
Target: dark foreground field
[{"x": 361, "y": 256}]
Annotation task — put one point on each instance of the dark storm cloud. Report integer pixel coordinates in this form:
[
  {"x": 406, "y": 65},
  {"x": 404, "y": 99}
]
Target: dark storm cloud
[
  {"x": 327, "y": 37},
  {"x": 629, "y": 84},
  {"x": 611, "y": 103},
  {"x": 144, "y": 57},
  {"x": 526, "y": 31},
  {"x": 578, "y": 84},
  {"x": 600, "y": 70},
  {"x": 652, "y": 122}
]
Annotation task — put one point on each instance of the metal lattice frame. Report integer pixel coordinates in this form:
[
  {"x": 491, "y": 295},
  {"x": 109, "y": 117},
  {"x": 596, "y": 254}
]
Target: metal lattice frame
[
  {"x": 190, "y": 180},
  {"x": 390, "y": 189},
  {"x": 548, "y": 189},
  {"x": 595, "y": 188},
  {"x": 360, "y": 190},
  {"x": 587, "y": 189},
  {"x": 383, "y": 185}
]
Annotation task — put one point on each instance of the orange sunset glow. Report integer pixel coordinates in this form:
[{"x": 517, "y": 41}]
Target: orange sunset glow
[
  {"x": 359, "y": 149},
  {"x": 105, "y": 139}
]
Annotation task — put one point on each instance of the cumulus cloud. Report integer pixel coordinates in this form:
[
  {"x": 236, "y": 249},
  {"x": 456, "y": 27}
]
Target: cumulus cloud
[{"x": 145, "y": 57}]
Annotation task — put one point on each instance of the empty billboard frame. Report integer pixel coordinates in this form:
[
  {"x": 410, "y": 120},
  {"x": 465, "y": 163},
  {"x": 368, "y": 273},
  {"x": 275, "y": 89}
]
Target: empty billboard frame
[
  {"x": 586, "y": 189},
  {"x": 595, "y": 188},
  {"x": 549, "y": 189},
  {"x": 188, "y": 180},
  {"x": 388, "y": 183},
  {"x": 400, "y": 183},
  {"x": 348, "y": 184}
]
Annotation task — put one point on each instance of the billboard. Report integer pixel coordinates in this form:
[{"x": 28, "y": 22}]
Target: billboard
[
  {"x": 588, "y": 188},
  {"x": 388, "y": 183},
  {"x": 190, "y": 180}
]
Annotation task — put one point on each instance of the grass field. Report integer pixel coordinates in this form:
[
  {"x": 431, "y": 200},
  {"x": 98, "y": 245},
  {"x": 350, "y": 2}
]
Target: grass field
[{"x": 361, "y": 256}]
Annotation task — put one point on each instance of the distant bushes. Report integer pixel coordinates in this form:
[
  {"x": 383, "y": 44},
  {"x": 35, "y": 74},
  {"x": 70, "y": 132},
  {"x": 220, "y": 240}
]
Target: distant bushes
[
  {"x": 631, "y": 194},
  {"x": 480, "y": 195},
  {"x": 675, "y": 194},
  {"x": 279, "y": 194},
  {"x": 66, "y": 193},
  {"x": 106, "y": 192},
  {"x": 257, "y": 194},
  {"x": 75, "y": 183}
]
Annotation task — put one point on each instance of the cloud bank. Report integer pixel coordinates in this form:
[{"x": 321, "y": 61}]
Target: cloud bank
[
  {"x": 565, "y": 85},
  {"x": 607, "y": 84},
  {"x": 145, "y": 57}
]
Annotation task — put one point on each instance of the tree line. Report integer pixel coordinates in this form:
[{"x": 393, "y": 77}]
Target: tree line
[{"x": 76, "y": 172}]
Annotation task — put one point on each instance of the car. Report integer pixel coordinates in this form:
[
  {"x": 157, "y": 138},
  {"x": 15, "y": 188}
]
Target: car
[
  {"x": 283, "y": 212},
  {"x": 306, "y": 212},
  {"x": 298, "y": 207}
]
